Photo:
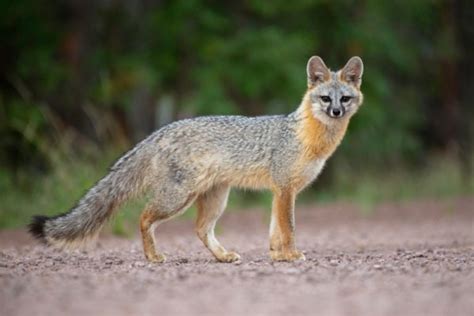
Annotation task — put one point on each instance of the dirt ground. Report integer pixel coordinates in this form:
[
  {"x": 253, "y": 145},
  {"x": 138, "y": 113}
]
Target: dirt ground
[{"x": 413, "y": 258}]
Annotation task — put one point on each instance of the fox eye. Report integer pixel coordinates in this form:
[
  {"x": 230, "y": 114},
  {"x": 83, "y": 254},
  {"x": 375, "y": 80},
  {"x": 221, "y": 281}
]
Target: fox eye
[
  {"x": 325, "y": 98},
  {"x": 345, "y": 99}
]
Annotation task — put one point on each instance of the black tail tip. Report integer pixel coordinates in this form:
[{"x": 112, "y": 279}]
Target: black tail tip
[{"x": 36, "y": 227}]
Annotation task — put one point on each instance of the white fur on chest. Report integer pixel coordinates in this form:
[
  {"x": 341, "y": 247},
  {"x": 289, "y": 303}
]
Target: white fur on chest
[{"x": 313, "y": 169}]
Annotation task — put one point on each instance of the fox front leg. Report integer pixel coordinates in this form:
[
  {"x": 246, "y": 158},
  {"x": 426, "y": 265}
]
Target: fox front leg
[{"x": 282, "y": 228}]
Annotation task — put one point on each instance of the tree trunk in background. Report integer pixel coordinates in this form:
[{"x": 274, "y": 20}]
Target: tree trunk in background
[
  {"x": 75, "y": 49},
  {"x": 141, "y": 115},
  {"x": 449, "y": 114},
  {"x": 464, "y": 17}
]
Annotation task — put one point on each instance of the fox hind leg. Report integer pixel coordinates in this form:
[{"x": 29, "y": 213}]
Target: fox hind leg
[
  {"x": 151, "y": 217},
  {"x": 210, "y": 206}
]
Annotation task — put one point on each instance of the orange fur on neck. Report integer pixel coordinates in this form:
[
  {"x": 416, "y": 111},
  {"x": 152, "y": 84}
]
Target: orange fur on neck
[{"x": 319, "y": 140}]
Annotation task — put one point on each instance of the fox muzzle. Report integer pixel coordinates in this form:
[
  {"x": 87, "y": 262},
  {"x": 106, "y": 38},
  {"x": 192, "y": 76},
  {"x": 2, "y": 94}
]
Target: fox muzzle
[{"x": 336, "y": 112}]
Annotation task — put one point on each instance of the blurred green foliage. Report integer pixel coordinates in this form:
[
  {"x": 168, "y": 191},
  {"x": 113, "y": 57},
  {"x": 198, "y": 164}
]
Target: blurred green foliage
[{"x": 83, "y": 77}]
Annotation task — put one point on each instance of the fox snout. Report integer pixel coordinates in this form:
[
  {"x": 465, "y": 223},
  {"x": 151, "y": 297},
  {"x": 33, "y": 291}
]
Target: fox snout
[{"x": 336, "y": 112}]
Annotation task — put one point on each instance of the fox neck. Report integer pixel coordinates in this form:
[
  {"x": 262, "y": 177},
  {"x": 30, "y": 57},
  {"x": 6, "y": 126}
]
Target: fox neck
[{"x": 319, "y": 139}]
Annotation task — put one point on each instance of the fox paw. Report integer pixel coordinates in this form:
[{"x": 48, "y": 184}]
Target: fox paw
[
  {"x": 291, "y": 255},
  {"x": 156, "y": 258},
  {"x": 229, "y": 256}
]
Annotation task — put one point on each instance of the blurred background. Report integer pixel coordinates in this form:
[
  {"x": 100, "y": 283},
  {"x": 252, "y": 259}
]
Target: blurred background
[{"x": 82, "y": 81}]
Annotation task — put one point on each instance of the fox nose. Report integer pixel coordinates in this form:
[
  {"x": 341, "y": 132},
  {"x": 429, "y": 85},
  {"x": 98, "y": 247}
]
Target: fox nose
[{"x": 335, "y": 112}]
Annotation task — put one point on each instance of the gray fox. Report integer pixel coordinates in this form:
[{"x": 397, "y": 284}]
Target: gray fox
[{"x": 200, "y": 159}]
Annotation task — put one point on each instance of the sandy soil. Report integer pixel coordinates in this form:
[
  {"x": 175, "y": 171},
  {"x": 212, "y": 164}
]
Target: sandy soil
[{"x": 407, "y": 259}]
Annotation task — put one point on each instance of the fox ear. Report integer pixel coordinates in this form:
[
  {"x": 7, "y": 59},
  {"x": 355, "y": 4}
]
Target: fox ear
[
  {"x": 317, "y": 71},
  {"x": 352, "y": 71}
]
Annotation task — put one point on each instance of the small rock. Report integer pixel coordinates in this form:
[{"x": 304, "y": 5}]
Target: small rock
[
  {"x": 138, "y": 264},
  {"x": 181, "y": 261},
  {"x": 292, "y": 271}
]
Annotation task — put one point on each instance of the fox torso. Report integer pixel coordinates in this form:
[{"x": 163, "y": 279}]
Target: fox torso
[{"x": 235, "y": 150}]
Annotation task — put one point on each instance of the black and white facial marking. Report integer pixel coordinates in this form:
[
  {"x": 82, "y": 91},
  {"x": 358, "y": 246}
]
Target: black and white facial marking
[{"x": 334, "y": 98}]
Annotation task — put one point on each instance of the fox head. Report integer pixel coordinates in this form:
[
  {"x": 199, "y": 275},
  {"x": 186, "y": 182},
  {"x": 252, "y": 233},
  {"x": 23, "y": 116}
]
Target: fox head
[{"x": 334, "y": 95}]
